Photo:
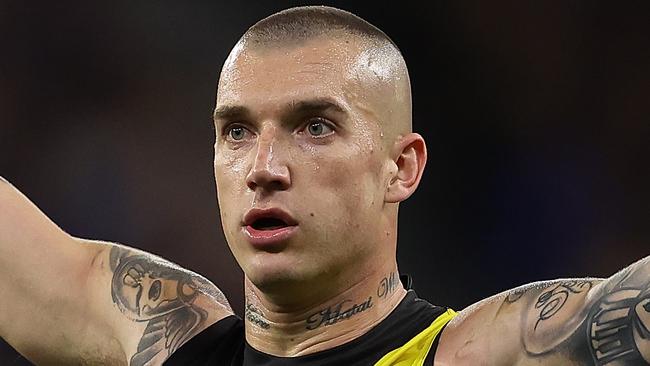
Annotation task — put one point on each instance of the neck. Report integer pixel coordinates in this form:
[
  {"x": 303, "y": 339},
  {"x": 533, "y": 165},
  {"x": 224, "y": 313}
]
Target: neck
[{"x": 331, "y": 321}]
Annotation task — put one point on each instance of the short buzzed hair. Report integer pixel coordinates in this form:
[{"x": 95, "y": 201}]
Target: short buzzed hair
[
  {"x": 295, "y": 25},
  {"x": 376, "y": 52}
]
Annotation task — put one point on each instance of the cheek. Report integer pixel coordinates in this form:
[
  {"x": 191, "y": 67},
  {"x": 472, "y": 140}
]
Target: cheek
[
  {"x": 350, "y": 183},
  {"x": 230, "y": 178},
  {"x": 230, "y": 171}
]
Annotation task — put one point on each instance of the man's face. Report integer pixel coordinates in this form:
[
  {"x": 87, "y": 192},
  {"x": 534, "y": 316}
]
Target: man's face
[{"x": 298, "y": 129}]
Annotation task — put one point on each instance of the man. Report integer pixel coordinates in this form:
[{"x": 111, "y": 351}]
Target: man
[{"x": 313, "y": 154}]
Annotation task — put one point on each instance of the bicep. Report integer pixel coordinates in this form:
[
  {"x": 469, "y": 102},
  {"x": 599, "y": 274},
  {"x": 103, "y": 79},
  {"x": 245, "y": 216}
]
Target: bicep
[
  {"x": 155, "y": 306},
  {"x": 590, "y": 321},
  {"x": 525, "y": 325},
  {"x": 66, "y": 299},
  {"x": 599, "y": 322},
  {"x": 43, "y": 273}
]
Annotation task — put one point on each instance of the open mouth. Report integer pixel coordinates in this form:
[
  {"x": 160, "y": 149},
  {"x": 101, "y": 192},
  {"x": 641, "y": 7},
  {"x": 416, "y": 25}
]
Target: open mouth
[
  {"x": 269, "y": 227},
  {"x": 268, "y": 223}
]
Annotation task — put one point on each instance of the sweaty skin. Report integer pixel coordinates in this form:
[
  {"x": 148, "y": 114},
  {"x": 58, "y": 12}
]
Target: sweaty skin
[{"x": 342, "y": 186}]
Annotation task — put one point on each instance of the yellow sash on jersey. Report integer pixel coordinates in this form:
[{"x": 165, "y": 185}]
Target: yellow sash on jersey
[{"x": 414, "y": 352}]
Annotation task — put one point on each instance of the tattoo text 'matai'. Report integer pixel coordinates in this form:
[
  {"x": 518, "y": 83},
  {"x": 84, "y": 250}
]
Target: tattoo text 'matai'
[{"x": 337, "y": 313}]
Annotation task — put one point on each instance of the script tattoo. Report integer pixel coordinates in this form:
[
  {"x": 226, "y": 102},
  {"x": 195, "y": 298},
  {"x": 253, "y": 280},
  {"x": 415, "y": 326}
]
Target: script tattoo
[
  {"x": 550, "y": 302},
  {"x": 146, "y": 290},
  {"x": 388, "y": 285},
  {"x": 334, "y": 314},
  {"x": 253, "y": 315},
  {"x": 607, "y": 324},
  {"x": 518, "y": 293}
]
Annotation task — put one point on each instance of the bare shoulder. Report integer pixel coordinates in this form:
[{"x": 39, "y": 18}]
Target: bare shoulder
[
  {"x": 157, "y": 305},
  {"x": 573, "y": 322},
  {"x": 517, "y": 325}
]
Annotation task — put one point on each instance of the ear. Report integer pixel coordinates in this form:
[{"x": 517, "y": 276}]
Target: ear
[{"x": 409, "y": 158}]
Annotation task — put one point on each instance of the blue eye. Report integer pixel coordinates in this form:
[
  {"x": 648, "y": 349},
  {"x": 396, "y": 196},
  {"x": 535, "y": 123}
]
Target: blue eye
[
  {"x": 237, "y": 133},
  {"x": 318, "y": 128}
]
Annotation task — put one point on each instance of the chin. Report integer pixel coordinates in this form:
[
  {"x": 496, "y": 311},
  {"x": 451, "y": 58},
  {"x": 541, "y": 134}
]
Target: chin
[
  {"x": 270, "y": 268},
  {"x": 277, "y": 271}
]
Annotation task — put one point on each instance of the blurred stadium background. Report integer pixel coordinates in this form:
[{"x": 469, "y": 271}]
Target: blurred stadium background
[{"x": 537, "y": 117}]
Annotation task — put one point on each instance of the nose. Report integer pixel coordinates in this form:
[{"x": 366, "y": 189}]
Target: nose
[{"x": 269, "y": 171}]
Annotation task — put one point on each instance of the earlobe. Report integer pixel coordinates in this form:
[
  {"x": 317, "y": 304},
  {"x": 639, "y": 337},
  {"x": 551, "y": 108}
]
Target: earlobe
[{"x": 410, "y": 154}]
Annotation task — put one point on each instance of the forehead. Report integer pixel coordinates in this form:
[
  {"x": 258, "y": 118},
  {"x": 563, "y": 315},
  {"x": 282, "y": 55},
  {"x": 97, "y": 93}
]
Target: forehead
[{"x": 322, "y": 67}]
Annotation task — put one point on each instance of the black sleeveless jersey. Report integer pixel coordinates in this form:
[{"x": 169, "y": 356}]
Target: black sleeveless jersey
[{"x": 224, "y": 343}]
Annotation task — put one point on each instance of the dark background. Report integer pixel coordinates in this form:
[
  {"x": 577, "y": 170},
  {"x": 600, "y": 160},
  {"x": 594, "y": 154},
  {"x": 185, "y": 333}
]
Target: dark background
[{"x": 536, "y": 116}]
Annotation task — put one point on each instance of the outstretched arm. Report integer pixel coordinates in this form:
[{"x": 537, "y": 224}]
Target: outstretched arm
[
  {"x": 590, "y": 321},
  {"x": 70, "y": 301}
]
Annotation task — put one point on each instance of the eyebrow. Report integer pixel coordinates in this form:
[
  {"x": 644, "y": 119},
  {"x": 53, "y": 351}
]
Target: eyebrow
[
  {"x": 230, "y": 112},
  {"x": 297, "y": 107},
  {"x": 316, "y": 105}
]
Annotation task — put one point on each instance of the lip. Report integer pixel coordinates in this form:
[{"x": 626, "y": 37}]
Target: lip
[
  {"x": 268, "y": 238},
  {"x": 262, "y": 239},
  {"x": 259, "y": 213}
]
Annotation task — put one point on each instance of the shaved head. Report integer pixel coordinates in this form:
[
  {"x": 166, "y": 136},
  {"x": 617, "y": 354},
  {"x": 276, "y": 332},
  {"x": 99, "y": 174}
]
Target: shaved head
[
  {"x": 374, "y": 59},
  {"x": 313, "y": 115}
]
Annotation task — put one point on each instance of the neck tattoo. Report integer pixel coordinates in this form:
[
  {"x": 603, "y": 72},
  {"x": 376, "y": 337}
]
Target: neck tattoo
[
  {"x": 337, "y": 313},
  {"x": 388, "y": 285},
  {"x": 254, "y": 316}
]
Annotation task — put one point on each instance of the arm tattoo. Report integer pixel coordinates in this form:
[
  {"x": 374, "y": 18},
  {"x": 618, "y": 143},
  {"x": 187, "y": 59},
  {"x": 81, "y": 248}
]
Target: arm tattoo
[
  {"x": 156, "y": 293},
  {"x": 610, "y": 327},
  {"x": 550, "y": 302},
  {"x": 618, "y": 325},
  {"x": 518, "y": 293}
]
